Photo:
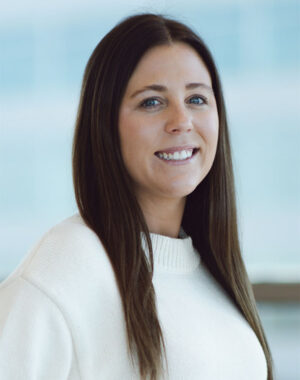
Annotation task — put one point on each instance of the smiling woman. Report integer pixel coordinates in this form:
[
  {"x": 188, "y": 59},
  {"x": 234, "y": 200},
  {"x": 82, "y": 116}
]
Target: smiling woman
[
  {"x": 168, "y": 127},
  {"x": 147, "y": 281}
]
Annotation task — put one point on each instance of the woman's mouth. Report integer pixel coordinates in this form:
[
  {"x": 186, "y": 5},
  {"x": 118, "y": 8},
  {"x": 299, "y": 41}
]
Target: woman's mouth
[{"x": 183, "y": 155}]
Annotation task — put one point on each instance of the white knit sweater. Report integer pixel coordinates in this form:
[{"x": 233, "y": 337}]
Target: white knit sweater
[{"x": 61, "y": 316}]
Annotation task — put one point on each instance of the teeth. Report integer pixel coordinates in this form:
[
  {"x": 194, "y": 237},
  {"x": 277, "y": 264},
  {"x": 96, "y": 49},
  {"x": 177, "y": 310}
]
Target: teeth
[
  {"x": 183, "y": 155},
  {"x": 177, "y": 156}
]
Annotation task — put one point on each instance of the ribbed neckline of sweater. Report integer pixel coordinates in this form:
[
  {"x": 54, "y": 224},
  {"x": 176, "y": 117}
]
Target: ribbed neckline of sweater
[{"x": 173, "y": 254}]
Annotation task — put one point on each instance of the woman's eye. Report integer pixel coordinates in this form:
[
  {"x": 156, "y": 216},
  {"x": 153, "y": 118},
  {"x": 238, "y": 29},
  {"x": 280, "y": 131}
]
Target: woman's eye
[
  {"x": 150, "y": 103},
  {"x": 154, "y": 102},
  {"x": 197, "y": 100}
]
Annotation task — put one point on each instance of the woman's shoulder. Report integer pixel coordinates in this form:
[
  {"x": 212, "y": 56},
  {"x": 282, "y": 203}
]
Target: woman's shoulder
[
  {"x": 69, "y": 236},
  {"x": 68, "y": 251}
]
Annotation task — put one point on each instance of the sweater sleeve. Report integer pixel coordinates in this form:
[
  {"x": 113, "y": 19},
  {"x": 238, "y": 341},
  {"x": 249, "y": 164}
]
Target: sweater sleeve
[{"x": 35, "y": 341}]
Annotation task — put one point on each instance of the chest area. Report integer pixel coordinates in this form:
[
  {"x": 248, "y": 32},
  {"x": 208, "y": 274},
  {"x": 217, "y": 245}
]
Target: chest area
[{"x": 205, "y": 334}]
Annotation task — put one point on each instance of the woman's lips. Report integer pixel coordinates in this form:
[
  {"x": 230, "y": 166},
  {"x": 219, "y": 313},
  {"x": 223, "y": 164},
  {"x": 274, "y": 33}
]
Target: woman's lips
[
  {"x": 177, "y": 149},
  {"x": 177, "y": 157}
]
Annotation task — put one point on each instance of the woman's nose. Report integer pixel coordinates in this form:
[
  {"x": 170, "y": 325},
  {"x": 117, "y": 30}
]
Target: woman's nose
[{"x": 179, "y": 120}]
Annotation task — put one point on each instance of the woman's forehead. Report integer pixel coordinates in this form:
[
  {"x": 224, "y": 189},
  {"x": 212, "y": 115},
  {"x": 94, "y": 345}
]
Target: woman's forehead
[{"x": 174, "y": 62}]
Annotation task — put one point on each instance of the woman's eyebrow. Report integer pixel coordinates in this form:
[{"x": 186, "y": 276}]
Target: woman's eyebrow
[{"x": 160, "y": 88}]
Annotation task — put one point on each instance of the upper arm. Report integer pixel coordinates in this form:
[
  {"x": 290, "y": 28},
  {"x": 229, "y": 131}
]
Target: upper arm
[{"x": 35, "y": 341}]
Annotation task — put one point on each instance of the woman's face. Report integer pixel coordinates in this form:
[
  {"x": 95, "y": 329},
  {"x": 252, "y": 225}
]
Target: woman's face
[{"x": 168, "y": 123}]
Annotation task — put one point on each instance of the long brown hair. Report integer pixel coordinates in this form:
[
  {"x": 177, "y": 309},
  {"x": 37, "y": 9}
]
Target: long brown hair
[{"x": 107, "y": 203}]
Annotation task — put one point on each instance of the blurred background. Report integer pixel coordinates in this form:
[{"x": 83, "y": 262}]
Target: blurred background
[{"x": 44, "y": 47}]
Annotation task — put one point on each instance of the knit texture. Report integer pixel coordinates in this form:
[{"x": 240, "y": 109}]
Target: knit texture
[{"x": 61, "y": 315}]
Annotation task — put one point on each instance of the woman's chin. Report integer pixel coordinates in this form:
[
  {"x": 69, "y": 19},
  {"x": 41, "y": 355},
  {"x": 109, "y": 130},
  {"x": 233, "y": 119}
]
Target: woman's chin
[{"x": 178, "y": 192}]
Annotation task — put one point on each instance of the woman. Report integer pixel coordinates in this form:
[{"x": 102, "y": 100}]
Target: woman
[{"x": 148, "y": 281}]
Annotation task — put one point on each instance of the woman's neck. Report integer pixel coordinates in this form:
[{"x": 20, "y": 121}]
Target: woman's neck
[{"x": 163, "y": 216}]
